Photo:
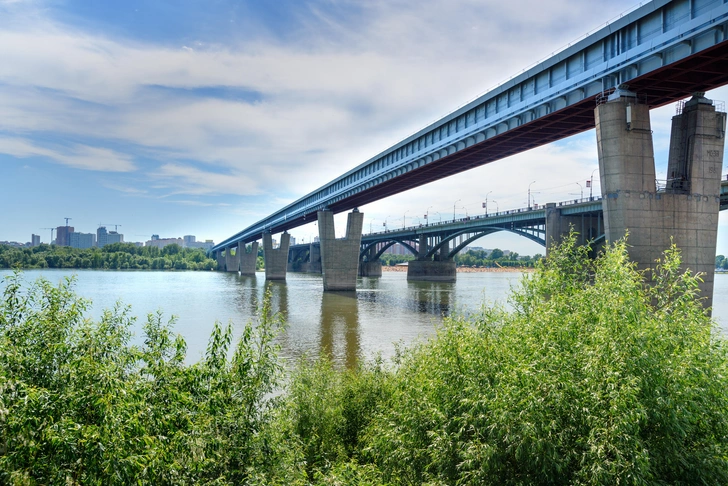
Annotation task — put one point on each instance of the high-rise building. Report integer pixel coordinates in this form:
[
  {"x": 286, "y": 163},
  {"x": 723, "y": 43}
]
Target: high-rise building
[
  {"x": 104, "y": 237},
  {"x": 189, "y": 241},
  {"x": 82, "y": 240},
  {"x": 63, "y": 235},
  {"x": 34, "y": 240}
]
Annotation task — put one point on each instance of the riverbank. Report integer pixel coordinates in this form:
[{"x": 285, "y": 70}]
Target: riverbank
[{"x": 403, "y": 268}]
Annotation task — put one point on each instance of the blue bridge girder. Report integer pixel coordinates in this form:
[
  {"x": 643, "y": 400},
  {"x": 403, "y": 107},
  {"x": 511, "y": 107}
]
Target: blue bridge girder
[{"x": 664, "y": 50}]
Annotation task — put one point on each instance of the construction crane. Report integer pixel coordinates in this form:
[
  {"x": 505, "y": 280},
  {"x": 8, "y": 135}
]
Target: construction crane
[
  {"x": 52, "y": 230},
  {"x": 116, "y": 226},
  {"x": 67, "y": 219}
]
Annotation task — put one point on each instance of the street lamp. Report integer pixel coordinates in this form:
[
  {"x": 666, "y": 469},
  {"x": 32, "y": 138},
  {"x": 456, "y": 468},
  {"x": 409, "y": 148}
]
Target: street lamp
[
  {"x": 581, "y": 188},
  {"x": 440, "y": 215},
  {"x": 591, "y": 183},
  {"x": 486, "y": 203},
  {"x": 529, "y": 194},
  {"x": 370, "y": 224},
  {"x": 403, "y": 218},
  {"x": 427, "y": 216},
  {"x": 453, "y": 208},
  {"x": 497, "y": 210},
  {"x": 385, "y": 222}
]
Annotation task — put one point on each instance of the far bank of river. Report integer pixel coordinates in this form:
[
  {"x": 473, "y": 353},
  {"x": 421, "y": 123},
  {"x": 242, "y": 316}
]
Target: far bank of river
[{"x": 347, "y": 326}]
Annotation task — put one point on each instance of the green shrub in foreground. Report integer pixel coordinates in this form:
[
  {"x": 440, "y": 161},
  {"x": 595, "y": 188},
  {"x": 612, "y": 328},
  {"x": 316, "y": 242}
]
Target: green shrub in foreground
[
  {"x": 592, "y": 379},
  {"x": 80, "y": 405}
]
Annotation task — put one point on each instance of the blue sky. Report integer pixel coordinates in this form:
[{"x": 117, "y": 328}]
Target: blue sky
[{"x": 201, "y": 117}]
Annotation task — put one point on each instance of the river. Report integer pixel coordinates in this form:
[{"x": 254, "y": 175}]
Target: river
[{"x": 347, "y": 326}]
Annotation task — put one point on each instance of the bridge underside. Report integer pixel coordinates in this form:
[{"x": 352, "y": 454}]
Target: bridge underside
[
  {"x": 700, "y": 72},
  {"x": 703, "y": 71}
]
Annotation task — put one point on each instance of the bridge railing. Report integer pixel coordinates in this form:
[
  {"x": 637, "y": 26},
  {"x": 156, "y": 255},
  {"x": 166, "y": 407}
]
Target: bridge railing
[{"x": 479, "y": 217}]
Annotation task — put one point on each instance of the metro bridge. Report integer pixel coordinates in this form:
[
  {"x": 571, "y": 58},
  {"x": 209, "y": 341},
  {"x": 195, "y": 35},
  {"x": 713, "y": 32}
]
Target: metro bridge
[{"x": 658, "y": 54}]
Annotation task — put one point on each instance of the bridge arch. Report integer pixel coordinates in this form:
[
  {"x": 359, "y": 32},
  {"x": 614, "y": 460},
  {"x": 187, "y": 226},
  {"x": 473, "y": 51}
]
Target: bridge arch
[
  {"x": 388, "y": 243},
  {"x": 477, "y": 233}
]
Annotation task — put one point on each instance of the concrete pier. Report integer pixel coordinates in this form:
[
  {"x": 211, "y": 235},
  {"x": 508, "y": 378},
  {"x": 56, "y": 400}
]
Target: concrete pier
[
  {"x": 340, "y": 258},
  {"x": 371, "y": 265},
  {"x": 686, "y": 211},
  {"x": 248, "y": 260},
  {"x": 436, "y": 268},
  {"x": 220, "y": 259},
  {"x": 370, "y": 268},
  {"x": 587, "y": 227},
  {"x": 276, "y": 260},
  {"x": 232, "y": 262}
]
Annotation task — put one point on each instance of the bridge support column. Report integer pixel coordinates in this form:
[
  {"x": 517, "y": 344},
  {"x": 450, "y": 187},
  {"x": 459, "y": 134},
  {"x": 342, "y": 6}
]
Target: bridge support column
[
  {"x": 314, "y": 258},
  {"x": 687, "y": 212},
  {"x": 372, "y": 267},
  {"x": 276, "y": 260},
  {"x": 231, "y": 261},
  {"x": 248, "y": 261},
  {"x": 587, "y": 227},
  {"x": 441, "y": 269},
  {"x": 340, "y": 258},
  {"x": 220, "y": 259}
]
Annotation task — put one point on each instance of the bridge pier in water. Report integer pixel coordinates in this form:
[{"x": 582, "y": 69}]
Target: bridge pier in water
[
  {"x": 432, "y": 266},
  {"x": 248, "y": 261},
  {"x": 371, "y": 266},
  {"x": 340, "y": 258},
  {"x": 276, "y": 259},
  {"x": 686, "y": 212}
]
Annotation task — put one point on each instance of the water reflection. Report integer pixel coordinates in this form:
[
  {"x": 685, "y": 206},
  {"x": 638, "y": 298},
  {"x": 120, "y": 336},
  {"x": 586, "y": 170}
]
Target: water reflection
[
  {"x": 278, "y": 296},
  {"x": 340, "y": 326},
  {"x": 431, "y": 297}
]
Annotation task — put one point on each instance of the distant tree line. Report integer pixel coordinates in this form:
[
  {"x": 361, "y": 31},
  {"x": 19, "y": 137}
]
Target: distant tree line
[
  {"x": 495, "y": 258},
  {"x": 721, "y": 262},
  {"x": 116, "y": 256},
  {"x": 474, "y": 258}
]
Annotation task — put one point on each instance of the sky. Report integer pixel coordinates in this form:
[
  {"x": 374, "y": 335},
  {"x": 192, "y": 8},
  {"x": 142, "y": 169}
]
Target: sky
[{"x": 193, "y": 117}]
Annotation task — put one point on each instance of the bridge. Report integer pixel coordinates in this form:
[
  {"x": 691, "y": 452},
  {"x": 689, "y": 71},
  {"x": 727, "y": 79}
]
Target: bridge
[
  {"x": 658, "y": 54},
  {"x": 444, "y": 239}
]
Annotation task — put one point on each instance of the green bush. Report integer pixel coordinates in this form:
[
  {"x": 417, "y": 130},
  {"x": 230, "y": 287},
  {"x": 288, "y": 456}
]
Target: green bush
[
  {"x": 80, "y": 405},
  {"x": 594, "y": 378}
]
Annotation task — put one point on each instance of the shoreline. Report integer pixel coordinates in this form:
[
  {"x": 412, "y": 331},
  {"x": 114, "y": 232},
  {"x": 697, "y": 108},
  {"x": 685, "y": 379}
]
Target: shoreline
[{"x": 403, "y": 268}]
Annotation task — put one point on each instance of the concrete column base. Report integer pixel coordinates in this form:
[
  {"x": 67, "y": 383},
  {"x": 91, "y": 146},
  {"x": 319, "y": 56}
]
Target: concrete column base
[
  {"x": 370, "y": 269},
  {"x": 340, "y": 258},
  {"x": 220, "y": 259},
  {"x": 248, "y": 261},
  {"x": 231, "y": 261},
  {"x": 276, "y": 260},
  {"x": 424, "y": 270}
]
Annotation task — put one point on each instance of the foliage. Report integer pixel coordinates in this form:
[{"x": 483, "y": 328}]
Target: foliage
[
  {"x": 496, "y": 258},
  {"x": 116, "y": 256},
  {"x": 390, "y": 259},
  {"x": 721, "y": 262},
  {"x": 80, "y": 405},
  {"x": 592, "y": 379}
]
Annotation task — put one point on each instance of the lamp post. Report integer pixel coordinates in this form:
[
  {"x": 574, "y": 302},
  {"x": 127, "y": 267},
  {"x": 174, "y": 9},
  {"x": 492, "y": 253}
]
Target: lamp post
[
  {"x": 427, "y": 216},
  {"x": 453, "y": 208},
  {"x": 486, "y": 203},
  {"x": 591, "y": 183},
  {"x": 403, "y": 218},
  {"x": 581, "y": 188},
  {"x": 370, "y": 224},
  {"x": 385, "y": 222},
  {"x": 497, "y": 210},
  {"x": 440, "y": 215},
  {"x": 529, "y": 194}
]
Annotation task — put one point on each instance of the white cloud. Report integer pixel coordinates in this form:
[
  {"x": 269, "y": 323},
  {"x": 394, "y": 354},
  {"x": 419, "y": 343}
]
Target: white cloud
[{"x": 76, "y": 156}]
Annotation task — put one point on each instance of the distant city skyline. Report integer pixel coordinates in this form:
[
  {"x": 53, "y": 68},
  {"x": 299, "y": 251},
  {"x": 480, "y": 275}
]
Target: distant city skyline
[{"x": 204, "y": 118}]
